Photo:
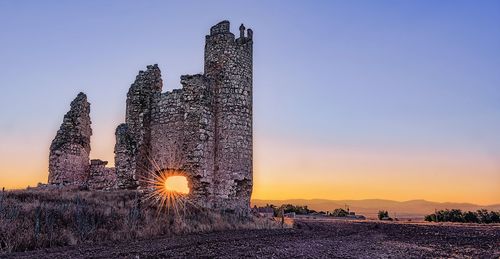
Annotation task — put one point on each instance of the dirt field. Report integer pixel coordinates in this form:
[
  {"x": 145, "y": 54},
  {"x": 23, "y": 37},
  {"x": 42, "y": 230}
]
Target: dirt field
[{"x": 310, "y": 239}]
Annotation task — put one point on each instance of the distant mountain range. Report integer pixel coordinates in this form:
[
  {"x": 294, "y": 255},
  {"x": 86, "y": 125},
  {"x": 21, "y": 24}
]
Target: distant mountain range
[{"x": 415, "y": 209}]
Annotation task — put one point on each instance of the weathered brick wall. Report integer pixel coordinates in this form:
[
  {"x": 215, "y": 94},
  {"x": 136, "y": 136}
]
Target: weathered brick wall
[
  {"x": 69, "y": 151},
  {"x": 101, "y": 177}
]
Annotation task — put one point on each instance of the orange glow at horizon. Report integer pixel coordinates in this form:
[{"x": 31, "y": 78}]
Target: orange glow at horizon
[
  {"x": 292, "y": 170},
  {"x": 286, "y": 170}
]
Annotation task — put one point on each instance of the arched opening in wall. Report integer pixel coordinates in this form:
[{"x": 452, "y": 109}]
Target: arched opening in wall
[
  {"x": 177, "y": 183},
  {"x": 169, "y": 189},
  {"x": 170, "y": 181}
]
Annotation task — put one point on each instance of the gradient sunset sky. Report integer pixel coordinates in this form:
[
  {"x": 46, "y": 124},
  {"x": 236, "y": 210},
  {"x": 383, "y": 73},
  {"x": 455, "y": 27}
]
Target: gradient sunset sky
[{"x": 352, "y": 99}]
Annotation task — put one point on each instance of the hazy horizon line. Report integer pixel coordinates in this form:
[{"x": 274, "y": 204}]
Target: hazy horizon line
[
  {"x": 328, "y": 199},
  {"x": 368, "y": 199}
]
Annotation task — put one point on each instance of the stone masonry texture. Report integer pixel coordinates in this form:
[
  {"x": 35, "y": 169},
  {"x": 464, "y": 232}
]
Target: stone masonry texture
[
  {"x": 202, "y": 131},
  {"x": 101, "y": 177},
  {"x": 69, "y": 151}
]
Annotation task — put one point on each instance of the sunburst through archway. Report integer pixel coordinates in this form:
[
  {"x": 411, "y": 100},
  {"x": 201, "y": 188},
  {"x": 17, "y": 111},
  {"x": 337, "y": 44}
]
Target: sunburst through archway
[
  {"x": 177, "y": 183},
  {"x": 168, "y": 189}
]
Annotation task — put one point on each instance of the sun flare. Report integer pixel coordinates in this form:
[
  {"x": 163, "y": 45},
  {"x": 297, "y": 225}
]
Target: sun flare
[
  {"x": 177, "y": 184},
  {"x": 168, "y": 189}
]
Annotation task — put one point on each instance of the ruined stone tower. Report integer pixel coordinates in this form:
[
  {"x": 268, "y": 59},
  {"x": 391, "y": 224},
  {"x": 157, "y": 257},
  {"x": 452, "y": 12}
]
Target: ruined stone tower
[
  {"x": 202, "y": 131},
  {"x": 228, "y": 66},
  {"x": 70, "y": 149}
]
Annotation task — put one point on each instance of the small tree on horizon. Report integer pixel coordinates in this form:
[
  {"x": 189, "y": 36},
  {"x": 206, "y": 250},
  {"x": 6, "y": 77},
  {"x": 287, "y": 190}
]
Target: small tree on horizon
[{"x": 383, "y": 214}]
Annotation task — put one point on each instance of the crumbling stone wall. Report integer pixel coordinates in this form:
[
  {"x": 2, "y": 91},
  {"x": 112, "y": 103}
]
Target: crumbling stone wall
[
  {"x": 198, "y": 137},
  {"x": 167, "y": 130},
  {"x": 101, "y": 177},
  {"x": 133, "y": 160},
  {"x": 125, "y": 158},
  {"x": 202, "y": 131},
  {"x": 69, "y": 151},
  {"x": 182, "y": 131}
]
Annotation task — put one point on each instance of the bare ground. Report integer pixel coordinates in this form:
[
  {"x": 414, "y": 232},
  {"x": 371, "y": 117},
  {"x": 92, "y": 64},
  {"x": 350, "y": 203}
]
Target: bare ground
[{"x": 309, "y": 239}]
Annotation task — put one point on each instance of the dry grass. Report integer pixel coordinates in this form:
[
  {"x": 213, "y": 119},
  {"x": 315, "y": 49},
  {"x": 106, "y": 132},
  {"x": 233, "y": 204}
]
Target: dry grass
[{"x": 35, "y": 219}]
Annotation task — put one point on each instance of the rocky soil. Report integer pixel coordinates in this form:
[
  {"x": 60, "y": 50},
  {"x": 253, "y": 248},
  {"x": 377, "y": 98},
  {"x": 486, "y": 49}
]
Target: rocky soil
[{"x": 308, "y": 239}]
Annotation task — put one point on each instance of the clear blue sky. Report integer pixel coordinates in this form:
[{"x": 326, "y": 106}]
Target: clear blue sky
[{"x": 420, "y": 78}]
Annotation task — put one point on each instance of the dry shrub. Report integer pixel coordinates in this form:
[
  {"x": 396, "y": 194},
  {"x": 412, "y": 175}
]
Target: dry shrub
[{"x": 33, "y": 219}]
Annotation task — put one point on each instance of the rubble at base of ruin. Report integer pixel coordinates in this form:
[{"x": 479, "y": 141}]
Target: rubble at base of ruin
[{"x": 202, "y": 131}]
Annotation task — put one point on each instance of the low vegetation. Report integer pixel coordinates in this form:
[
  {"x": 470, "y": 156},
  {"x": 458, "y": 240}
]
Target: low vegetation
[
  {"x": 35, "y": 219},
  {"x": 383, "y": 215},
  {"x": 456, "y": 215},
  {"x": 299, "y": 210},
  {"x": 290, "y": 208},
  {"x": 304, "y": 210},
  {"x": 339, "y": 213}
]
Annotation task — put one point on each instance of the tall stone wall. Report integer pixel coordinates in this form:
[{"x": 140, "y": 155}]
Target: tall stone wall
[
  {"x": 141, "y": 99},
  {"x": 125, "y": 158},
  {"x": 182, "y": 131},
  {"x": 69, "y": 151},
  {"x": 167, "y": 131},
  {"x": 198, "y": 138},
  {"x": 228, "y": 64}
]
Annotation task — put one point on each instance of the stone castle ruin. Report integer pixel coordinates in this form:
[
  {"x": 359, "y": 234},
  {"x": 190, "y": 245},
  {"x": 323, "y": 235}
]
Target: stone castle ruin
[{"x": 202, "y": 131}]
